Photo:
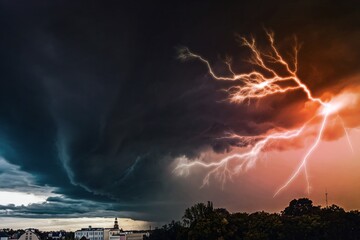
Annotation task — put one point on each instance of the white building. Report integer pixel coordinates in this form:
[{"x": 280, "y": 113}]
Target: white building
[
  {"x": 90, "y": 233},
  {"x": 29, "y": 235}
]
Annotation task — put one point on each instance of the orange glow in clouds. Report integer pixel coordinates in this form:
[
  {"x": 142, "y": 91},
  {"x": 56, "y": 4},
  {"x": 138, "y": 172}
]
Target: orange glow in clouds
[{"x": 272, "y": 77}]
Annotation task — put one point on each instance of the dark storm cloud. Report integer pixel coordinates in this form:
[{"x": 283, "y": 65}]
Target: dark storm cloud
[
  {"x": 11, "y": 177},
  {"x": 58, "y": 208},
  {"x": 95, "y": 103}
]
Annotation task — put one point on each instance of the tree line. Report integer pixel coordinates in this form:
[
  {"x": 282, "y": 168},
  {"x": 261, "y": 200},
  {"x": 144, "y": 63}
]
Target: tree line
[{"x": 300, "y": 220}]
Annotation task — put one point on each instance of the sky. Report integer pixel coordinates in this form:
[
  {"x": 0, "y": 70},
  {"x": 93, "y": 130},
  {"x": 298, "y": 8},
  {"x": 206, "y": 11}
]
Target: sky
[{"x": 97, "y": 109}]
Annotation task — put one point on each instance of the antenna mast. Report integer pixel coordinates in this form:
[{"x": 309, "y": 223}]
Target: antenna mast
[{"x": 326, "y": 198}]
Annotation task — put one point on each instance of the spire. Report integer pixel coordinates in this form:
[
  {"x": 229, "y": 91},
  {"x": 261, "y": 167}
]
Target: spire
[{"x": 116, "y": 225}]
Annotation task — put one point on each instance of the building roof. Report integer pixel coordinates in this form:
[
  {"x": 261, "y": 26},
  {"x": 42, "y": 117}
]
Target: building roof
[{"x": 91, "y": 229}]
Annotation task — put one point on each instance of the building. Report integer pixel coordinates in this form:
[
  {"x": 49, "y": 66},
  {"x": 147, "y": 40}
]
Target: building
[
  {"x": 136, "y": 236},
  {"x": 112, "y": 233},
  {"x": 4, "y": 236},
  {"x": 56, "y": 235},
  {"x": 117, "y": 236},
  {"x": 115, "y": 233},
  {"x": 29, "y": 235},
  {"x": 90, "y": 233},
  {"x": 16, "y": 235},
  {"x": 129, "y": 236}
]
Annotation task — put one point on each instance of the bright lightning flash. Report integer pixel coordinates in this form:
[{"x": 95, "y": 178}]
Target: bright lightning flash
[{"x": 256, "y": 85}]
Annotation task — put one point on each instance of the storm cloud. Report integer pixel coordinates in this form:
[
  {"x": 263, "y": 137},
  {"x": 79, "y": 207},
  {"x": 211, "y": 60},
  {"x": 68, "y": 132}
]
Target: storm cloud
[{"x": 95, "y": 103}]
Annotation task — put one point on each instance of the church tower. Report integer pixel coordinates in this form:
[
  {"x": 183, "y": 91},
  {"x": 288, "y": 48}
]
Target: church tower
[{"x": 116, "y": 225}]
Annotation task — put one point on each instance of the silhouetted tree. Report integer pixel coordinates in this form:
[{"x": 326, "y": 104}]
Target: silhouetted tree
[
  {"x": 197, "y": 212},
  {"x": 298, "y": 207},
  {"x": 262, "y": 225}
]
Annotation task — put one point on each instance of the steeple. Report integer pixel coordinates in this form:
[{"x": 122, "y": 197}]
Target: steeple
[{"x": 116, "y": 225}]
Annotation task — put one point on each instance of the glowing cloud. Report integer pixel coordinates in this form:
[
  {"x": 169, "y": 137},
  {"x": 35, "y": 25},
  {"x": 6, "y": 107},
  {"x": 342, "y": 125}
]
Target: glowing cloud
[
  {"x": 19, "y": 198},
  {"x": 275, "y": 75}
]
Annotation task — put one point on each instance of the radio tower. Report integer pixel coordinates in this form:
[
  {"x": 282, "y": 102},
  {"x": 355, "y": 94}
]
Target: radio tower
[{"x": 326, "y": 198}]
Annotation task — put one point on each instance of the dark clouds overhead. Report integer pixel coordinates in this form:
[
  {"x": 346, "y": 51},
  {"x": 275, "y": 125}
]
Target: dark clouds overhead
[{"x": 95, "y": 103}]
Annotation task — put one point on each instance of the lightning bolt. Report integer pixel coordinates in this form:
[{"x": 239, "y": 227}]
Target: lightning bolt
[
  {"x": 346, "y": 134},
  {"x": 258, "y": 84}
]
